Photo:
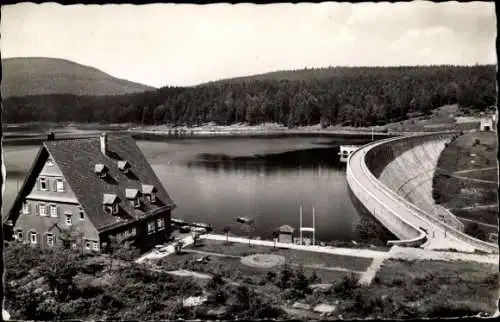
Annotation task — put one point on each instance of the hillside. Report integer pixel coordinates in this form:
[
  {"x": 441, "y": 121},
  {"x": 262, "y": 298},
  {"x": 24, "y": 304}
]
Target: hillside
[
  {"x": 286, "y": 75},
  {"x": 321, "y": 73},
  {"x": 359, "y": 97},
  {"x": 41, "y": 76}
]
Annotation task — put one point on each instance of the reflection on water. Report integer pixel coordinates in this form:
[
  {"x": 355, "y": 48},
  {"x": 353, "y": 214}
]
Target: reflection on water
[{"x": 218, "y": 180}]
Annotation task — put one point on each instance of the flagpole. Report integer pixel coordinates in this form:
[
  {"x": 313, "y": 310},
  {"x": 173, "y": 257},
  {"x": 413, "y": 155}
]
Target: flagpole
[
  {"x": 314, "y": 227},
  {"x": 300, "y": 225}
]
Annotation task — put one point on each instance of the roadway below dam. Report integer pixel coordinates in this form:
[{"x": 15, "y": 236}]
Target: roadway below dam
[{"x": 392, "y": 180}]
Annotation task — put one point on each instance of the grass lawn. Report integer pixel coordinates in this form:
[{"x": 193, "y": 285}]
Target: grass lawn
[
  {"x": 291, "y": 255},
  {"x": 233, "y": 269},
  {"x": 488, "y": 216},
  {"x": 457, "y": 155},
  {"x": 489, "y": 175},
  {"x": 450, "y": 192},
  {"x": 435, "y": 285}
]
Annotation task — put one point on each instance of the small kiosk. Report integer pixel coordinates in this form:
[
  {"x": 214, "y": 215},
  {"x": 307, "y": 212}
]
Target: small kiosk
[{"x": 285, "y": 234}]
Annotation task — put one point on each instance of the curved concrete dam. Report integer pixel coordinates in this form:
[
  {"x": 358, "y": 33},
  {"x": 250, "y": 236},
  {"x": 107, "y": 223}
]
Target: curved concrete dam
[{"x": 392, "y": 179}]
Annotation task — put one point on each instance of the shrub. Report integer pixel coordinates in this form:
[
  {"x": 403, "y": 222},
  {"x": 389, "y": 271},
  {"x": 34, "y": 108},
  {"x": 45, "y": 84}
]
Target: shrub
[
  {"x": 215, "y": 282},
  {"x": 475, "y": 230},
  {"x": 270, "y": 276},
  {"x": 346, "y": 285}
]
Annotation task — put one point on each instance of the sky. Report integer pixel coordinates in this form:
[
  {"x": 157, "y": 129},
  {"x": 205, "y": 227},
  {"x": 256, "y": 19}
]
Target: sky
[{"x": 185, "y": 44}]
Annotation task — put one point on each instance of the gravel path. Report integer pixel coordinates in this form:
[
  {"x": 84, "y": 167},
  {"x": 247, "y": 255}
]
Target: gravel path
[
  {"x": 367, "y": 277},
  {"x": 407, "y": 253},
  {"x": 354, "y": 252}
]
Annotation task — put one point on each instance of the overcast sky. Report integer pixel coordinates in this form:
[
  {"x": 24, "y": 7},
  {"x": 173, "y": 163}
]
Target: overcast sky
[{"x": 172, "y": 44}]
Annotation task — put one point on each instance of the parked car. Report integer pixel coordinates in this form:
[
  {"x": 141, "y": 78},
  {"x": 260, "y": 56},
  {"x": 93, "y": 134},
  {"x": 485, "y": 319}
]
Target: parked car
[
  {"x": 185, "y": 229},
  {"x": 199, "y": 230},
  {"x": 160, "y": 248},
  {"x": 203, "y": 259}
]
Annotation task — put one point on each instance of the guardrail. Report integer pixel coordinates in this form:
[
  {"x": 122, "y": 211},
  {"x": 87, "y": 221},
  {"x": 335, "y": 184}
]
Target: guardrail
[
  {"x": 421, "y": 237},
  {"x": 481, "y": 245}
]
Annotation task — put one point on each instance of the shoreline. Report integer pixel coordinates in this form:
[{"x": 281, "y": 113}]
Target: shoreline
[{"x": 15, "y": 132}]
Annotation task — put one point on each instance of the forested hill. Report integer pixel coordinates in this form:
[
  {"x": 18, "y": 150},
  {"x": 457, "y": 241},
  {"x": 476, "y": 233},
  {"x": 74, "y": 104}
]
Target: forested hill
[
  {"x": 361, "y": 96},
  {"x": 43, "y": 75}
]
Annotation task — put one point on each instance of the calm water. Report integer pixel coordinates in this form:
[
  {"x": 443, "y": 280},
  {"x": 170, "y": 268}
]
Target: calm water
[{"x": 215, "y": 180}]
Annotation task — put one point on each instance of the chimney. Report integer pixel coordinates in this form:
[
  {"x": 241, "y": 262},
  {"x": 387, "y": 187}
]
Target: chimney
[
  {"x": 50, "y": 136},
  {"x": 104, "y": 143}
]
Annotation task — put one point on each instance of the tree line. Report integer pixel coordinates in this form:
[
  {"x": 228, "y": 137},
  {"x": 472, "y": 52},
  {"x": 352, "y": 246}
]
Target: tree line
[{"x": 357, "y": 96}]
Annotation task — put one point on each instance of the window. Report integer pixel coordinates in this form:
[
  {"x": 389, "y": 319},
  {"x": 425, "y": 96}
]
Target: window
[
  {"x": 161, "y": 223},
  {"x": 152, "y": 197},
  {"x": 50, "y": 162},
  {"x": 59, "y": 185},
  {"x": 101, "y": 170},
  {"x": 82, "y": 215},
  {"x": 137, "y": 203},
  {"x": 68, "y": 219},
  {"x": 50, "y": 239},
  {"x": 73, "y": 245},
  {"x": 108, "y": 209},
  {"x": 96, "y": 246},
  {"x": 115, "y": 208},
  {"x": 87, "y": 244},
  {"x": 20, "y": 236},
  {"x": 53, "y": 211},
  {"x": 26, "y": 208},
  {"x": 43, "y": 183},
  {"x": 151, "y": 227},
  {"x": 33, "y": 237},
  {"x": 42, "y": 210}
]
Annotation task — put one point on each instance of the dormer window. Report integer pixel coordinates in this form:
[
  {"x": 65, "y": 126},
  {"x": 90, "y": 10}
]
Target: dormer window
[
  {"x": 43, "y": 183},
  {"x": 110, "y": 203},
  {"x": 124, "y": 166},
  {"x": 150, "y": 192},
  {"x": 26, "y": 208},
  {"x": 133, "y": 196},
  {"x": 59, "y": 185},
  {"x": 101, "y": 170}
]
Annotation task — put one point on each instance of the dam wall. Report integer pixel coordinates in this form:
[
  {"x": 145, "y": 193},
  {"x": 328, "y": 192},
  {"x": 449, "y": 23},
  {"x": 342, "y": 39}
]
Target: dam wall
[
  {"x": 392, "y": 178},
  {"x": 408, "y": 234},
  {"x": 407, "y": 167}
]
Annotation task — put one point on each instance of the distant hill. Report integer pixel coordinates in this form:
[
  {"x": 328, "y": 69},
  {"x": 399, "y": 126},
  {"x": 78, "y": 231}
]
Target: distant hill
[
  {"x": 305, "y": 74},
  {"x": 42, "y": 76},
  {"x": 322, "y": 73}
]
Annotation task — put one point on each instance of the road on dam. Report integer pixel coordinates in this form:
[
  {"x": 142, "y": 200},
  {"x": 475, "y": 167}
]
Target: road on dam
[{"x": 381, "y": 196}]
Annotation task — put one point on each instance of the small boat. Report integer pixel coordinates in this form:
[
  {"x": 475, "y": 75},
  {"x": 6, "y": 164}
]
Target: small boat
[
  {"x": 185, "y": 229},
  {"x": 178, "y": 221},
  {"x": 245, "y": 220},
  {"x": 202, "y": 225}
]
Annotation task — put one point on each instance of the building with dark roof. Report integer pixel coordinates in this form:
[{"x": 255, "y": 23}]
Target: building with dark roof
[
  {"x": 95, "y": 188},
  {"x": 285, "y": 234}
]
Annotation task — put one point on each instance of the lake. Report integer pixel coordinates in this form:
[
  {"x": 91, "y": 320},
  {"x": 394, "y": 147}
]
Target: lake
[{"x": 216, "y": 180}]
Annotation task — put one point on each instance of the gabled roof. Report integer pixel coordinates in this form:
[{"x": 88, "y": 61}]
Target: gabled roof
[
  {"x": 100, "y": 168},
  {"x": 148, "y": 189},
  {"x": 109, "y": 199},
  {"x": 123, "y": 164},
  {"x": 75, "y": 158},
  {"x": 286, "y": 229},
  {"x": 131, "y": 193}
]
